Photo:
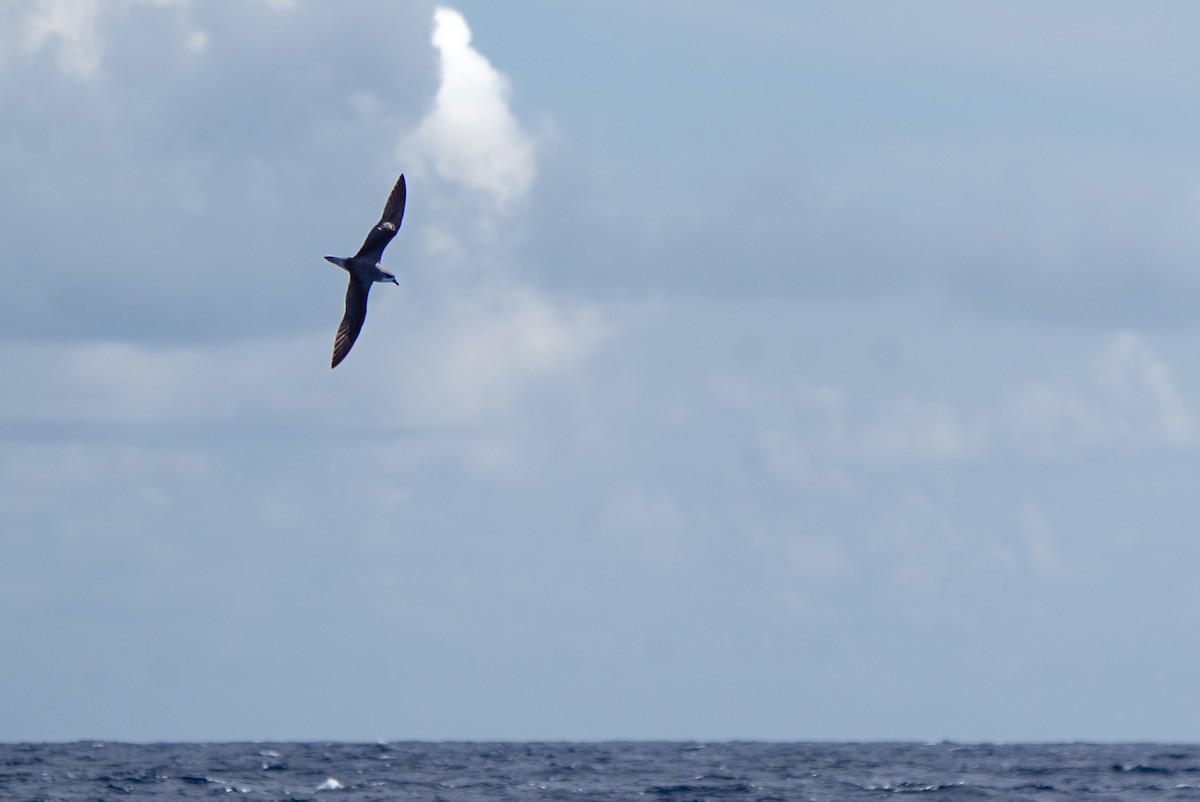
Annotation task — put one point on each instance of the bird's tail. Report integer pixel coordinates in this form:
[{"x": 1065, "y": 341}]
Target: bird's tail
[{"x": 337, "y": 260}]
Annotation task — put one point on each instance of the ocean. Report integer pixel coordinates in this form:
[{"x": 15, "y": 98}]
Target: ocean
[{"x": 679, "y": 772}]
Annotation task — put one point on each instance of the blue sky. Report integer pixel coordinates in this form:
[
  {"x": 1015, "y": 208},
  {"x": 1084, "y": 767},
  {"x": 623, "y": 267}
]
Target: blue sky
[{"x": 774, "y": 370}]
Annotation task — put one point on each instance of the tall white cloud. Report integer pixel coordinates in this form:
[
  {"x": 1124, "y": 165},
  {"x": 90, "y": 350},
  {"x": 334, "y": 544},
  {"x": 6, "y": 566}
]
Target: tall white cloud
[
  {"x": 471, "y": 136},
  {"x": 485, "y": 337}
]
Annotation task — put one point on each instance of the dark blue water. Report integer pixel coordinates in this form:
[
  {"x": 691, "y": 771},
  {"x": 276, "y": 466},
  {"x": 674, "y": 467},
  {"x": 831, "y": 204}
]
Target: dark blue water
[{"x": 597, "y": 771}]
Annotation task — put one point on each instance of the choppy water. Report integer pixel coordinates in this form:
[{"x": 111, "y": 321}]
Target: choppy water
[{"x": 597, "y": 771}]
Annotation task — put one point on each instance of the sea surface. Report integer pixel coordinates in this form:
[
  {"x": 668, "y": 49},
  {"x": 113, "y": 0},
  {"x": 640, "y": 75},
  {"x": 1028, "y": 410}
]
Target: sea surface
[{"x": 350, "y": 772}]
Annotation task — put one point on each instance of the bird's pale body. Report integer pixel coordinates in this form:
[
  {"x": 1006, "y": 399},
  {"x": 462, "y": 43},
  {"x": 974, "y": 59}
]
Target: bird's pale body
[{"x": 362, "y": 268}]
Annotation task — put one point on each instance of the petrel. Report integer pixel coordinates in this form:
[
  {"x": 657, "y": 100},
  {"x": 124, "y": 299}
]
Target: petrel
[{"x": 365, "y": 270}]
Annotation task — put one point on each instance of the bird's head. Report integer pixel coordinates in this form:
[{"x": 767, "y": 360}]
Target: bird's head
[{"x": 390, "y": 277}]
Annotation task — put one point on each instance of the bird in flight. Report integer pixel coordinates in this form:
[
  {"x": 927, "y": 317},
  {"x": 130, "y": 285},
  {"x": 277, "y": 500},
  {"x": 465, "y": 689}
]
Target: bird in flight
[{"x": 365, "y": 270}]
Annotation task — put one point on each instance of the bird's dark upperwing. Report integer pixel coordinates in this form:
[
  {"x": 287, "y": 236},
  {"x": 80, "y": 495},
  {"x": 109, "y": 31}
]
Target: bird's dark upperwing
[
  {"x": 388, "y": 225},
  {"x": 352, "y": 321}
]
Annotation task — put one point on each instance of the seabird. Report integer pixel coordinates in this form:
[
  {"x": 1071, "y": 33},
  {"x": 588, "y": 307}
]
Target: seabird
[{"x": 365, "y": 270}]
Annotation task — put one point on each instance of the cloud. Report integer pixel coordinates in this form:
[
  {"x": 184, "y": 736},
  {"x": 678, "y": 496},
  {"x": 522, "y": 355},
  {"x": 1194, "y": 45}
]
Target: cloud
[
  {"x": 1012, "y": 225},
  {"x": 484, "y": 336},
  {"x": 1040, "y": 541},
  {"x": 807, "y": 557},
  {"x": 459, "y": 348},
  {"x": 217, "y": 142},
  {"x": 1122, "y": 397},
  {"x": 463, "y": 362},
  {"x": 647, "y": 527},
  {"x": 124, "y": 384},
  {"x": 196, "y": 42},
  {"x": 471, "y": 137},
  {"x": 74, "y": 30},
  {"x": 1145, "y": 400},
  {"x": 1128, "y": 398},
  {"x": 472, "y": 357},
  {"x": 915, "y": 431},
  {"x": 69, "y": 27}
]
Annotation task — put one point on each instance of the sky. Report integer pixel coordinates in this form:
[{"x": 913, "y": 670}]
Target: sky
[{"x": 770, "y": 370}]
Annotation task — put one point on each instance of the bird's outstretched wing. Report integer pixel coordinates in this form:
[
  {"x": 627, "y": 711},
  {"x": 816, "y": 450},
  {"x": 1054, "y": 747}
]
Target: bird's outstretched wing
[
  {"x": 352, "y": 321},
  {"x": 379, "y": 237}
]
